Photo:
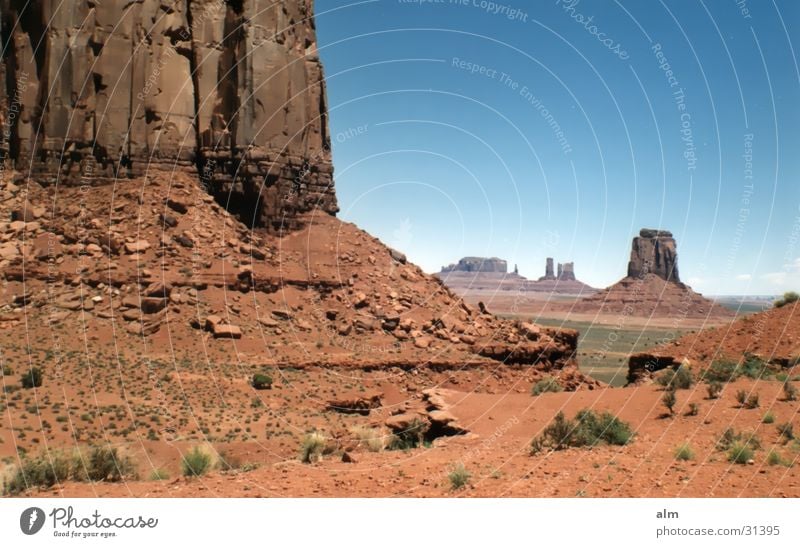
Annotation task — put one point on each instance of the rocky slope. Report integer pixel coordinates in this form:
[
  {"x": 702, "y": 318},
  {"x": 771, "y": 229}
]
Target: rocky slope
[{"x": 772, "y": 335}]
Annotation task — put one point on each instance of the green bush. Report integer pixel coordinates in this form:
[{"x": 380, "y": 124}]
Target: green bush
[
  {"x": 789, "y": 392},
  {"x": 786, "y": 431},
  {"x": 261, "y": 381},
  {"x": 196, "y": 462},
  {"x": 694, "y": 409},
  {"x": 755, "y": 367},
  {"x": 45, "y": 470},
  {"x": 548, "y": 384},
  {"x": 730, "y": 437},
  {"x": 774, "y": 458},
  {"x": 7, "y": 370},
  {"x": 459, "y": 476},
  {"x": 788, "y": 298},
  {"x": 411, "y": 437},
  {"x": 103, "y": 463},
  {"x": 722, "y": 370},
  {"x": 740, "y": 453},
  {"x": 587, "y": 429},
  {"x": 680, "y": 378},
  {"x": 159, "y": 475},
  {"x": 746, "y": 400},
  {"x": 684, "y": 452},
  {"x": 312, "y": 447},
  {"x": 714, "y": 389},
  {"x": 32, "y": 378},
  {"x": 768, "y": 418},
  {"x": 669, "y": 400}
]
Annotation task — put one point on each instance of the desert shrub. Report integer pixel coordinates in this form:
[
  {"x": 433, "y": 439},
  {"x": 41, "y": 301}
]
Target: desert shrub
[
  {"x": 740, "y": 452},
  {"x": 459, "y": 476},
  {"x": 587, "y": 429},
  {"x": 312, "y": 447},
  {"x": 7, "y": 370},
  {"x": 103, "y": 463},
  {"x": 372, "y": 438},
  {"x": 196, "y": 462},
  {"x": 755, "y": 367},
  {"x": 768, "y": 418},
  {"x": 721, "y": 370},
  {"x": 746, "y": 400},
  {"x": 788, "y": 298},
  {"x": 789, "y": 392},
  {"x": 684, "y": 452},
  {"x": 411, "y": 437},
  {"x": 774, "y": 458},
  {"x": 548, "y": 384},
  {"x": 44, "y": 470},
  {"x": 730, "y": 437},
  {"x": 786, "y": 431},
  {"x": 694, "y": 409},
  {"x": 680, "y": 378},
  {"x": 669, "y": 399},
  {"x": 714, "y": 389},
  {"x": 261, "y": 381},
  {"x": 159, "y": 475},
  {"x": 32, "y": 378}
]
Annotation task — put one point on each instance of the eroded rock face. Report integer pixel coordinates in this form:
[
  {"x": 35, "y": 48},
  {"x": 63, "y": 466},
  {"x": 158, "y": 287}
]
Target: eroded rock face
[
  {"x": 655, "y": 252},
  {"x": 232, "y": 88},
  {"x": 478, "y": 264}
]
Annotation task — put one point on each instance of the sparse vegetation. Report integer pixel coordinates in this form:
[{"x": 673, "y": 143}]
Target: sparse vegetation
[
  {"x": 371, "y": 437},
  {"x": 261, "y": 381},
  {"x": 786, "y": 431},
  {"x": 43, "y": 471},
  {"x": 669, "y": 400},
  {"x": 32, "y": 378},
  {"x": 55, "y": 466},
  {"x": 721, "y": 370},
  {"x": 747, "y": 400},
  {"x": 714, "y": 389},
  {"x": 788, "y": 298},
  {"x": 694, "y": 409},
  {"x": 159, "y": 475},
  {"x": 312, "y": 447},
  {"x": 774, "y": 458},
  {"x": 740, "y": 453},
  {"x": 789, "y": 392},
  {"x": 103, "y": 463},
  {"x": 587, "y": 429},
  {"x": 730, "y": 437},
  {"x": 680, "y": 378},
  {"x": 548, "y": 384},
  {"x": 684, "y": 452},
  {"x": 411, "y": 437},
  {"x": 196, "y": 462},
  {"x": 459, "y": 476},
  {"x": 768, "y": 418}
]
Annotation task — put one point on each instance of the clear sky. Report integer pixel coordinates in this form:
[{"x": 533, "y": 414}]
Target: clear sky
[{"x": 528, "y": 129}]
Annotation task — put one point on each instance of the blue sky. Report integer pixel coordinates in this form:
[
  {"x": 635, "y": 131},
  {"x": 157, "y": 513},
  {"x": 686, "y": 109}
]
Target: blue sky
[{"x": 526, "y": 129}]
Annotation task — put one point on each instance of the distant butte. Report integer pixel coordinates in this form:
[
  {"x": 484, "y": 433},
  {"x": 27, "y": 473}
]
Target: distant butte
[
  {"x": 491, "y": 274},
  {"x": 652, "y": 286}
]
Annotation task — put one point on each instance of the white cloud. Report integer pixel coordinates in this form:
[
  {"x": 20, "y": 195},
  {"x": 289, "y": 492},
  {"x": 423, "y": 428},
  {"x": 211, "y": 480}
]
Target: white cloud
[
  {"x": 744, "y": 277},
  {"x": 790, "y": 274}
]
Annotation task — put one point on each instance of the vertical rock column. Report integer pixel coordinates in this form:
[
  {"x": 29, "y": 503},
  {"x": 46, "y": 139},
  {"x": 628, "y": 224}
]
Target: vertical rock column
[{"x": 262, "y": 113}]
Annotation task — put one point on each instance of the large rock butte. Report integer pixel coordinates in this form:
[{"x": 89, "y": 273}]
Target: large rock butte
[
  {"x": 476, "y": 264},
  {"x": 654, "y": 251},
  {"x": 94, "y": 91}
]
